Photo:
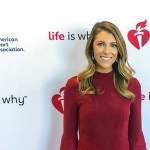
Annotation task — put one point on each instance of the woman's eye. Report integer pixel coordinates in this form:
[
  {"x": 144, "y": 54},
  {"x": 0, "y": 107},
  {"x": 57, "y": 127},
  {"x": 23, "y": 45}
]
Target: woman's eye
[
  {"x": 114, "y": 45},
  {"x": 100, "y": 44}
]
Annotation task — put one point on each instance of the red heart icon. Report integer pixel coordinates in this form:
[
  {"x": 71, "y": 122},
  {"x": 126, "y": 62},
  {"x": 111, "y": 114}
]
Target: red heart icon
[
  {"x": 133, "y": 39},
  {"x": 140, "y": 36},
  {"x": 57, "y": 100}
]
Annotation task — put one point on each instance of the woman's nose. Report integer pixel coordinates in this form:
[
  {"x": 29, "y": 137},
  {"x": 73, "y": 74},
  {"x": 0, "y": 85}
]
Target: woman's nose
[{"x": 106, "y": 50}]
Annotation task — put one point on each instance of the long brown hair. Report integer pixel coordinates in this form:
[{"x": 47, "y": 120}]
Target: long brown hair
[{"x": 122, "y": 70}]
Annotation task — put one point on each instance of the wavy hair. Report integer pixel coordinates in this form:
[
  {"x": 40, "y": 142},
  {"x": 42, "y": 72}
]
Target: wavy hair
[{"x": 122, "y": 70}]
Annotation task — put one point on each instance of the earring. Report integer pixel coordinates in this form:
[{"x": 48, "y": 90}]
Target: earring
[
  {"x": 92, "y": 55},
  {"x": 116, "y": 60}
]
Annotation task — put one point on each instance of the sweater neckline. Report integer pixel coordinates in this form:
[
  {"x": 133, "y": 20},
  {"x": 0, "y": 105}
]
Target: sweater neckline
[{"x": 105, "y": 75}]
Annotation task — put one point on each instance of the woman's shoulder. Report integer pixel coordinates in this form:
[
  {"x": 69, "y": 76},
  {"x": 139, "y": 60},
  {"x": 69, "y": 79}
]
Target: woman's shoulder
[
  {"x": 72, "y": 82},
  {"x": 134, "y": 83}
]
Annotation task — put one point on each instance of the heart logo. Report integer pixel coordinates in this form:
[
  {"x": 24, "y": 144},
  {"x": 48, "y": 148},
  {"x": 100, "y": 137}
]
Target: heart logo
[
  {"x": 58, "y": 99},
  {"x": 139, "y": 37}
]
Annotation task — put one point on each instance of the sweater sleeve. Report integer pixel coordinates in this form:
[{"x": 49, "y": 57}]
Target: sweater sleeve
[
  {"x": 135, "y": 133},
  {"x": 70, "y": 125}
]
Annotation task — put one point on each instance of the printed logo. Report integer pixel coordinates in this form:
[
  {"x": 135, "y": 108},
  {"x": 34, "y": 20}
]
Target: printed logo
[
  {"x": 7, "y": 44},
  {"x": 58, "y": 99},
  {"x": 139, "y": 36}
]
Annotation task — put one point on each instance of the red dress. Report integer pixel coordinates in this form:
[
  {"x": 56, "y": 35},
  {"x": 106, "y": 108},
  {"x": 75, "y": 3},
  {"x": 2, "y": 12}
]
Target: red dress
[{"x": 105, "y": 121}]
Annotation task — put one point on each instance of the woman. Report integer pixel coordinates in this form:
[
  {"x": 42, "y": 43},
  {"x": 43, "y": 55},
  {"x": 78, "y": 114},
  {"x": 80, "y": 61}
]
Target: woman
[{"x": 103, "y": 102}]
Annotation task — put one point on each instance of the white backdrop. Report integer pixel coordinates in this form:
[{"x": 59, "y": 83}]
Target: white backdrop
[{"x": 32, "y": 76}]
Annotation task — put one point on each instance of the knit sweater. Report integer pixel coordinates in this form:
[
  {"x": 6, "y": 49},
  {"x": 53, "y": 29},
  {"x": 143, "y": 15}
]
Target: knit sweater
[{"x": 106, "y": 121}]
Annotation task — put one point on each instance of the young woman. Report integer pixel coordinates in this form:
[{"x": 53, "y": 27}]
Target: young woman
[{"x": 103, "y": 102}]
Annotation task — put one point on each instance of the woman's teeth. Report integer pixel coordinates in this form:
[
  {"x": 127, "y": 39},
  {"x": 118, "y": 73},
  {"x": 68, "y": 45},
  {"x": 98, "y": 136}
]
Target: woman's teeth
[{"x": 105, "y": 58}]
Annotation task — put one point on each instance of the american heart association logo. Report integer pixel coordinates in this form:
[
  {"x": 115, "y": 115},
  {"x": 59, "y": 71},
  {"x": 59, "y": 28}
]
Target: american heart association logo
[
  {"x": 140, "y": 36},
  {"x": 58, "y": 99}
]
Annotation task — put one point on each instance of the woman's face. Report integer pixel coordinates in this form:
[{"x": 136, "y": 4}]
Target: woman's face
[{"x": 105, "y": 51}]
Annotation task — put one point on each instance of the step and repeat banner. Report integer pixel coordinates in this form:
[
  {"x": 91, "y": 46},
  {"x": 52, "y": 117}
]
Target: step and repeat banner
[{"x": 41, "y": 46}]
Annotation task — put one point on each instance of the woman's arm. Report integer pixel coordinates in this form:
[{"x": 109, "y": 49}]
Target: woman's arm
[
  {"x": 135, "y": 133},
  {"x": 69, "y": 138}
]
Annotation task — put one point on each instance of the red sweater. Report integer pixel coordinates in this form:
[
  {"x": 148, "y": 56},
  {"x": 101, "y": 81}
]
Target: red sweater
[{"x": 105, "y": 121}]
